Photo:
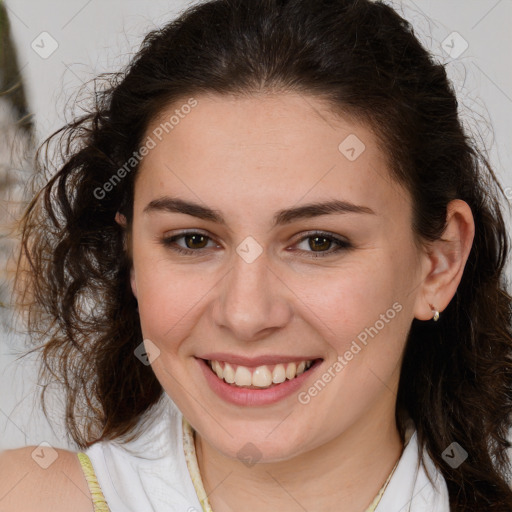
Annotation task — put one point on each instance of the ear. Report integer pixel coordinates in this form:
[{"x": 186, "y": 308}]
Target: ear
[
  {"x": 121, "y": 220},
  {"x": 445, "y": 260}
]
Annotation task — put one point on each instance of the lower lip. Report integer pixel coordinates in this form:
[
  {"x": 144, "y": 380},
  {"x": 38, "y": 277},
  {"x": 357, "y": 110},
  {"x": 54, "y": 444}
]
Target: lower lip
[{"x": 254, "y": 397}]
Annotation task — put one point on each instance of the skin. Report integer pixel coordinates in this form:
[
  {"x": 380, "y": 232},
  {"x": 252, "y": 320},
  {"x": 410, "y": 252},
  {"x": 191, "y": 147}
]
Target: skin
[{"x": 248, "y": 158}]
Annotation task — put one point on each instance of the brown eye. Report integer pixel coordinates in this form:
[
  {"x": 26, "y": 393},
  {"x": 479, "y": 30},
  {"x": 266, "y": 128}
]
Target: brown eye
[
  {"x": 319, "y": 243},
  {"x": 187, "y": 243},
  {"x": 195, "y": 241},
  {"x": 322, "y": 244}
]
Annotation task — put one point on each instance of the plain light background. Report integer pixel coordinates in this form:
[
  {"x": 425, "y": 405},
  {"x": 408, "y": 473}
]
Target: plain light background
[{"x": 63, "y": 43}]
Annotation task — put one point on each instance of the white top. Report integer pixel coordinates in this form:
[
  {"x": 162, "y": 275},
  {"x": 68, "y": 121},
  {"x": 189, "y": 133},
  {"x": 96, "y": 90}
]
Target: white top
[{"x": 150, "y": 474}]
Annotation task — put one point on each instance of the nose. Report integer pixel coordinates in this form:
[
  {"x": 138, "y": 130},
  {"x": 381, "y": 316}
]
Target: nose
[{"x": 252, "y": 300}]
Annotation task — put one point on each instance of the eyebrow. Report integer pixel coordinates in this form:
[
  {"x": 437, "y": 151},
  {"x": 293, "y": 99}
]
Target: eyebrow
[{"x": 176, "y": 205}]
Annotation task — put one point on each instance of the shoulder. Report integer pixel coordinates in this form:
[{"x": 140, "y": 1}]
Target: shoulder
[{"x": 43, "y": 479}]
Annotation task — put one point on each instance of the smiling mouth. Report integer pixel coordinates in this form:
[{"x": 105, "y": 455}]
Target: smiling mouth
[{"x": 260, "y": 377}]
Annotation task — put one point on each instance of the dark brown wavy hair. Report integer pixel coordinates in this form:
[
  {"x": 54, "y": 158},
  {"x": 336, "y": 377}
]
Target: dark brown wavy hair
[{"x": 365, "y": 60}]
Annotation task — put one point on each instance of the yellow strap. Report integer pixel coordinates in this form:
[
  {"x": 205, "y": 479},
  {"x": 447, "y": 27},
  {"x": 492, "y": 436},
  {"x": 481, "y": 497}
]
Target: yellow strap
[
  {"x": 193, "y": 467},
  {"x": 99, "y": 502},
  {"x": 377, "y": 499}
]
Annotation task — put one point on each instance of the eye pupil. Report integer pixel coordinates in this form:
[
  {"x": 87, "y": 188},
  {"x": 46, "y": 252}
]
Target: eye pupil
[
  {"x": 195, "y": 238},
  {"x": 320, "y": 247}
]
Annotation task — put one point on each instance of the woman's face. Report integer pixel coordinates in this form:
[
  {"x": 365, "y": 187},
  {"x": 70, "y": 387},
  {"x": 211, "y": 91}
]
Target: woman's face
[{"x": 264, "y": 283}]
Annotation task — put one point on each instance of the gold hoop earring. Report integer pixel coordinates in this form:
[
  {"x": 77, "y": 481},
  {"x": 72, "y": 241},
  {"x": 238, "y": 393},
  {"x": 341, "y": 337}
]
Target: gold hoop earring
[{"x": 436, "y": 313}]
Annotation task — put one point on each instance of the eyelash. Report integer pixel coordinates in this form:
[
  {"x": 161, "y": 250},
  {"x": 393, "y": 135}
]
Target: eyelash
[{"x": 169, "y": 242}]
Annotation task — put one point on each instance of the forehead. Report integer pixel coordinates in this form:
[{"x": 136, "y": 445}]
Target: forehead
[{"x": 281, "y": 146}]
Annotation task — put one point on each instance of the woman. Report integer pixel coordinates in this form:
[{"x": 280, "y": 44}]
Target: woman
[{"x": 269, "y": 275}]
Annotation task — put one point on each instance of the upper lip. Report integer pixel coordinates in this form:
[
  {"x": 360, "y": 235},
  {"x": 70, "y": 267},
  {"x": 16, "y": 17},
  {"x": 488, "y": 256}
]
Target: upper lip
[{"x": 255, "y": 361}]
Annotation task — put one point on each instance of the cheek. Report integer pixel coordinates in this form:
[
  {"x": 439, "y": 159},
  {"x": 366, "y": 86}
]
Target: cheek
[
  {"x": 361, "y": 315},
  {"x": 168, "y": 297},
  {"x": 352, "y": 298}
]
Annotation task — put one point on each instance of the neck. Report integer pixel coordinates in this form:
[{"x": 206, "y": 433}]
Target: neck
[{"x": 349, "y": 470}]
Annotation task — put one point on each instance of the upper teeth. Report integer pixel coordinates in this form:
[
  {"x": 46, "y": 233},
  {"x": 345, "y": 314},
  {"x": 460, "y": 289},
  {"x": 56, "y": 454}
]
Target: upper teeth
[{"x": 261, "y": 376}]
